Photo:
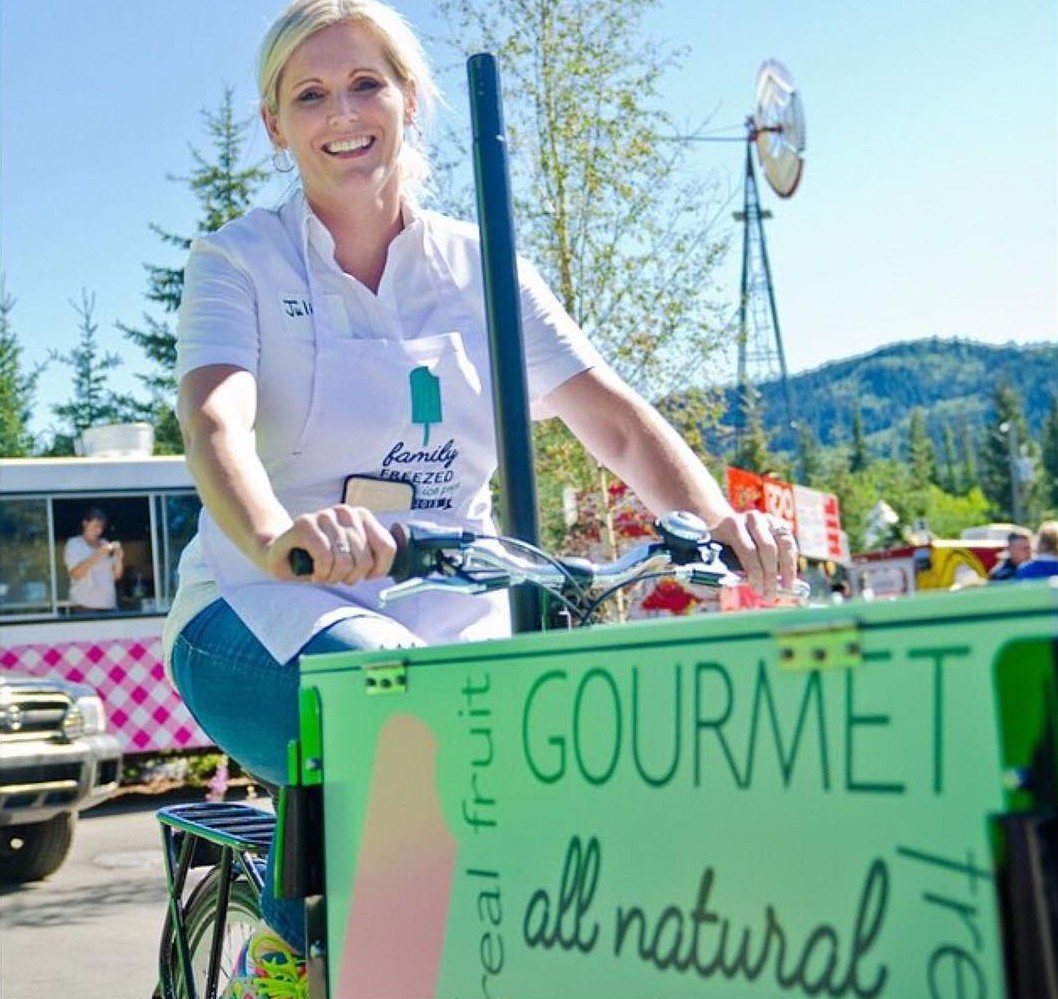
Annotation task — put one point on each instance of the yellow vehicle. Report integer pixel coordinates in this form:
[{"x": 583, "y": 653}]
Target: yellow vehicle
[{"x": 937, "y": 564}]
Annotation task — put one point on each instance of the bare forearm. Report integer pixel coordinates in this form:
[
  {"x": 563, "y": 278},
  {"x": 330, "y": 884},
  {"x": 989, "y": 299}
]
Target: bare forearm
[
  {"x": 665, "y": 473},
  {"x": 636, "y": 443},
  {"x": 216, "y": 409},
  {"x": 84, "y": 567},
  {"x": 630, "y": 437},
  {"x": 234, "y": 488}
]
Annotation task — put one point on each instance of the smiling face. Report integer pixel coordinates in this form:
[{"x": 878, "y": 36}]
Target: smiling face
[{"x": 342, "y": 111}]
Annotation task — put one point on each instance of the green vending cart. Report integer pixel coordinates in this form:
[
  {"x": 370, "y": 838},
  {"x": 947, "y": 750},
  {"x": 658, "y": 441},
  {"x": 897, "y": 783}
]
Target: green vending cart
[{"x": 854, "y": 800}]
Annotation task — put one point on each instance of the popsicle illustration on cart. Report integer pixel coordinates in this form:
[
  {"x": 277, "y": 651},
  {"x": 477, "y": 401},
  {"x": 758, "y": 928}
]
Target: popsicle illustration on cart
[{"x": 425, "y": 400}]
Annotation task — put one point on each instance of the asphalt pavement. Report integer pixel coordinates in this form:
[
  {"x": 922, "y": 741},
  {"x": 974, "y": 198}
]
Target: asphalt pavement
[{"x": 91, "y": 930}]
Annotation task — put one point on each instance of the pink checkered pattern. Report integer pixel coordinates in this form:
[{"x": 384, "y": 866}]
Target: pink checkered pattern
[{"x": 143, "y": 710}]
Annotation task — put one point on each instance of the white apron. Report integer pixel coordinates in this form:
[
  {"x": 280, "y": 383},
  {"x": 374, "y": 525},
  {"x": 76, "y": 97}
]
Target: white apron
[{"x": 415, "y": 405}]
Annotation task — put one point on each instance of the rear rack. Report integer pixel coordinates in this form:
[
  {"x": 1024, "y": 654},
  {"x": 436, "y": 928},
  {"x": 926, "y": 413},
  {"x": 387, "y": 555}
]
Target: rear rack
[
  {"x": 230, "y": 836},
  {"x": 230, "y": 824}
]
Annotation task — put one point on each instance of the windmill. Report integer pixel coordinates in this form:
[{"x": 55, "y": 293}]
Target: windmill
[{"x": 777, "y": 130}]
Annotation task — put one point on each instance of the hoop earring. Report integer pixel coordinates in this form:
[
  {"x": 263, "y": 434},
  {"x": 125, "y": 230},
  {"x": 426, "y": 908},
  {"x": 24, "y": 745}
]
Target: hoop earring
[
  {"x": 413, "y": 131},
  {"x": 282, "y": 159}
]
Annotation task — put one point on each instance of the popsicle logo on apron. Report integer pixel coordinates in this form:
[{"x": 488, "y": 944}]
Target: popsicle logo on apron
[
  {"x": 429, "y": 468},
  {"x": 425, "y": 400}
]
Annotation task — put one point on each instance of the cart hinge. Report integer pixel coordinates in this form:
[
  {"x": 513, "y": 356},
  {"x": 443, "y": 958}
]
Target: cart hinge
[
  {"x": 386, "y": 678},
  {"x": 831, "y": 646}
]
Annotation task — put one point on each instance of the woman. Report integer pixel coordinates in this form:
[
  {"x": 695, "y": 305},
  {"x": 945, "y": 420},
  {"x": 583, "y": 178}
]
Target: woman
[
  {"x": 342, "y": 337},
  {"x": 94, "y": 564}
]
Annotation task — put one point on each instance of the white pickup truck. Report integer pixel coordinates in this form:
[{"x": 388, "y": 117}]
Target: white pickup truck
[{"x": 56, "y": 759}]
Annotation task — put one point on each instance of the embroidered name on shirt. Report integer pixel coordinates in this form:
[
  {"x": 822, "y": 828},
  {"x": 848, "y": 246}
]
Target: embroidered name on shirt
[{"x": 295, "y": 307}]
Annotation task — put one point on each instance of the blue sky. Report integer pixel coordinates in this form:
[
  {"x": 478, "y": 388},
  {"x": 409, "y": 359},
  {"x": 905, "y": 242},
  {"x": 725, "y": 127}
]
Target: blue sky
[{"x": 929, "y": 204}]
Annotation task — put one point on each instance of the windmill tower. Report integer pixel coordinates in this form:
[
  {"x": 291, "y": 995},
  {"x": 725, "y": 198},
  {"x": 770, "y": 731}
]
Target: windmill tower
[{"x": 777, "y": 131}]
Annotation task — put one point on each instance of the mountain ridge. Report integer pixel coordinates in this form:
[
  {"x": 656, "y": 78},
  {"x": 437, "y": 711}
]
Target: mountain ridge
[{"x": 952, "y": 379}]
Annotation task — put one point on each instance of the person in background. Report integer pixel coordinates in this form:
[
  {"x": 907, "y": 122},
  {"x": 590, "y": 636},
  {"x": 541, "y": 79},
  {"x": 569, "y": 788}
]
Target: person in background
[
  {"x": 1019, "y": 551},
  {"x": 1045, "y": 562},
  {"x": 339, "y": 341},
  {"x": 94, "y": 564}
]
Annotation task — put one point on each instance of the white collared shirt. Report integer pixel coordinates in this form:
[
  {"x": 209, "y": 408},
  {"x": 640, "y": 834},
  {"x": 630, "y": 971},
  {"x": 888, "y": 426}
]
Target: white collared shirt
[{"x": 264, "y": 293}]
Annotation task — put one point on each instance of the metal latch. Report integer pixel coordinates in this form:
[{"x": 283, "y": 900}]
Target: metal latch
[
  {"x": 831, "y": 646},
  {"x": 386, "y": 678}
]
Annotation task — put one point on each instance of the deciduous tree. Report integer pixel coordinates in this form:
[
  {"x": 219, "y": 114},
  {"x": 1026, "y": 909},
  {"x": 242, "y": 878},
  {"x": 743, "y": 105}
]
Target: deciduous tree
[{"x": 626, "y": 238}]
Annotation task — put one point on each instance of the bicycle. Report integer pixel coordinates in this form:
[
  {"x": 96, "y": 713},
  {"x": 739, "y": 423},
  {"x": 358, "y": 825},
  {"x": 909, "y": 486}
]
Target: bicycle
[
  {"x": 660, "y": 806},
  {"x": 207, "y": 923}
]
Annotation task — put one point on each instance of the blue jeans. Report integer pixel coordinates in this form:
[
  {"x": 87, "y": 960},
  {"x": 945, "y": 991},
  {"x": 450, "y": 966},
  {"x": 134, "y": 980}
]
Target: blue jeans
[{"x": 247, "y": 703}]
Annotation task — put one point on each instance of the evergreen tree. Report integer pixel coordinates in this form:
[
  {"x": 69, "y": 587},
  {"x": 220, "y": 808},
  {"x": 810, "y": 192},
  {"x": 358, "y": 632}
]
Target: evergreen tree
[
  {"x": 1048, "y": 486},
  {"x": 17, "y": 386},
  {"x": 951, "y": 462},
  {"x": 92, "y": 402},
  {"x": 921, "y": 469},
  {"x": 969, "y": 455},
  {"x": 920, "y": 455},
  {"x": 753, "y": 453},
  {"x": 860, "y": 455},
  {"x": 1001, "y": 446},
  {"x": 225, "y": 190},
  {"x": 811, "y": 458}
]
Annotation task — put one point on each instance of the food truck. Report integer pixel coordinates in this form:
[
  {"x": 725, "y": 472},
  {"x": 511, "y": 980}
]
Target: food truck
[{"x": 152, "y": 509}]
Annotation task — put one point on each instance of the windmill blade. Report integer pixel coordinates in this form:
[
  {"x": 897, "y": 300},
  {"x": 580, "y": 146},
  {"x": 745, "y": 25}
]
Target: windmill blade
[{"x": 779, "y": 128}]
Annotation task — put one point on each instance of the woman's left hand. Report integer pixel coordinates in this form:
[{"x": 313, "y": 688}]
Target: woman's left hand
[{"x": 766, "y": 547}]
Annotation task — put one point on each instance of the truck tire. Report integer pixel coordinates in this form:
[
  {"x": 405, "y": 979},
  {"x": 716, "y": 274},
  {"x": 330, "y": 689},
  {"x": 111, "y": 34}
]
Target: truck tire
[{"x": 32, "y": 852}]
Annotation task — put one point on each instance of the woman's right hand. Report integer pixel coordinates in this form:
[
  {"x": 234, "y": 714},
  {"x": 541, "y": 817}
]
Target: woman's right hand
[{"x": 347, "y": 544}]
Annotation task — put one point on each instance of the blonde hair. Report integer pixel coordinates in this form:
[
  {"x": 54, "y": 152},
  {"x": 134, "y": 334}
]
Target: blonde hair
[
  {"x": 1047, "y": 537},
  {"x": 400, "y": 46}
]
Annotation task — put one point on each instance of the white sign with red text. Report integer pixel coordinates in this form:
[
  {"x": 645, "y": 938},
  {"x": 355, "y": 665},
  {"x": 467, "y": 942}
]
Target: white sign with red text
[{"x": 819, "y": 525}]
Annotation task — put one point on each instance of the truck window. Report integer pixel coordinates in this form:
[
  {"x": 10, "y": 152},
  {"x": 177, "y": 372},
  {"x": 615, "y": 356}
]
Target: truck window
[
  {"x": 25, "y": 556},
  {"x": 180, "y": 521},
  {"x": 153, "y": 528},
  {"x": 128, "y": 521}
]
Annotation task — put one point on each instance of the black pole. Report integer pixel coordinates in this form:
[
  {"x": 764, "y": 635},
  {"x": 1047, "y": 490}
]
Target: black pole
[{"x": 514, "y": 442}]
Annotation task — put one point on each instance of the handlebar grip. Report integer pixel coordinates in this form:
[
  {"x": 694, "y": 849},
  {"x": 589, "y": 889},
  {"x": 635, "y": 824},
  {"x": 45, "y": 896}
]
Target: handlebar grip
[
  {"x": 402, "y": 568},
  {"x": 301, "y": 561}
]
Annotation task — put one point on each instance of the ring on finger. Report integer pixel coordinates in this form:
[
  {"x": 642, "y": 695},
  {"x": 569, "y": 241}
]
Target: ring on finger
[
  {"x": 780, "y": 530},
  {"x": 340, "y": 548}
]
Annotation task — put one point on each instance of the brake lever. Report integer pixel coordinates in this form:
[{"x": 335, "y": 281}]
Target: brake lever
[
  {"x": 799, "y": 592},
  {"x": 482, "y": 581}
]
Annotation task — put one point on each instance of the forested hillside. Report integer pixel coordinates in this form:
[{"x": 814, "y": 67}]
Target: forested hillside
[{"x": 953, "y": 381}]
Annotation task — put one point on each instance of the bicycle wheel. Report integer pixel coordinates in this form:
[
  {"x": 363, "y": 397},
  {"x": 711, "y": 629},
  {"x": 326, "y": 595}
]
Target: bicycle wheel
[{"x": 244, "y": 919}]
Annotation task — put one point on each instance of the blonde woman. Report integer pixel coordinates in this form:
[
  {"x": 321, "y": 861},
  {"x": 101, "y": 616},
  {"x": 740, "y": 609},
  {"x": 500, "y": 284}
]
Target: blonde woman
[{"x": 343, "y": 335}]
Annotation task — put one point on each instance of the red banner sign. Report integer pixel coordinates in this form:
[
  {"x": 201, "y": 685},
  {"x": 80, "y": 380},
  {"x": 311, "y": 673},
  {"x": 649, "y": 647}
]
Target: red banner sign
[{"x": 750, "y": 491}]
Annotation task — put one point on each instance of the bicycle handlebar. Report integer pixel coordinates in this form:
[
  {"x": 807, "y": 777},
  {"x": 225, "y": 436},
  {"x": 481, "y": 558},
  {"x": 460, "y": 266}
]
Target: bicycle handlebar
[{"x": 432, "y": 557}]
